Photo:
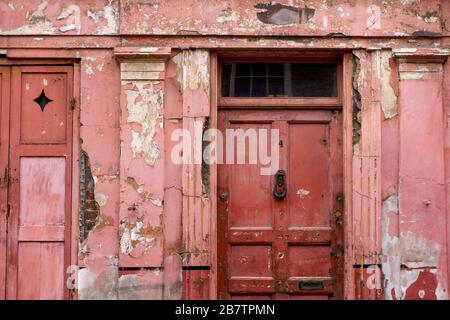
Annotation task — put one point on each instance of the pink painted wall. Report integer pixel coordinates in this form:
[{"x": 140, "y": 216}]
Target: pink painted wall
[{"x": 148, "y": 242}]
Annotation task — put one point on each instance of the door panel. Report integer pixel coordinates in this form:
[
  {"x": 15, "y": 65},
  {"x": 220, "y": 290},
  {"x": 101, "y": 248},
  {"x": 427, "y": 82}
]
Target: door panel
[
  {"x": 42, "y": 192},
  {"x": 309, "y": 163},
  {"x": 38, "y": 250},
  {"x": 288, "y": 249},
  {"x": 49, "y": 125},
  {"x": 41, "y": 270},
  {"x": 254, "y": 211}
]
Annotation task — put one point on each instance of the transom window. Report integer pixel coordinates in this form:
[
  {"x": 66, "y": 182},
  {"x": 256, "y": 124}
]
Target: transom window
[{"x": 279, "y": 80}]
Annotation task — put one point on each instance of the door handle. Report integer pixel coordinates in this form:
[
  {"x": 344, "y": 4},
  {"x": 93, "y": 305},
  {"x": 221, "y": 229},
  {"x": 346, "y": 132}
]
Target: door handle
[{"x": 280, "y": 188}]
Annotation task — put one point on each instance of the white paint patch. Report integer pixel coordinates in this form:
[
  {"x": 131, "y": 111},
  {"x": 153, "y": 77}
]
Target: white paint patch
[
  {"x": 404, "y": 2},
  {"x": 89, "y": 70},
  {"x": 432, "y": 19},
  {"x": 101, "y": 199},
  {"x": 342, "y": 12},
  {"x": 227, "y": 15},
  {"x": 156, "y": 202},
  {"x": 72, "y": 14},
  {"x": 148, "y": 49},
  {"x": 421, "y": 294},
  {"x": 110, "y": 14},
  {"x": 140, "y": 189},
  {"x": 303, "y": 193},
  {"x": 390, "y": 249},
  {"x": 45, "y": 82},
  {"x": 196, "y": 70},
  {"x": 388, "y": 97},
  {"x": 130, "y": 235},
  {"x": 325, "y": 22},
  {"x": 374, "y": 20},
  {"x": 67, "y": 27}
]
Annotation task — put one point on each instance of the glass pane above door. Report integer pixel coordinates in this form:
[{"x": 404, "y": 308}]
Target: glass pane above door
[{"x": 278, "y": 80}]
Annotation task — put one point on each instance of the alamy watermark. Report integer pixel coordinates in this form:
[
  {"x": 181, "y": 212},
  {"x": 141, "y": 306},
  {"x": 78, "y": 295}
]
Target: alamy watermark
[{"x": 234, "y": 146}]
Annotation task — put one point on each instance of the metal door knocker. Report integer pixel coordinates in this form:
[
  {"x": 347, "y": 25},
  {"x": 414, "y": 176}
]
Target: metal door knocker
[{"x": 280, "y": 189}]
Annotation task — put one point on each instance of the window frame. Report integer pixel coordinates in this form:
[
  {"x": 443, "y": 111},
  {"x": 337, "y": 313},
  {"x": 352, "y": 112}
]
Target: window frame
[{"x": 280, "y": 102}]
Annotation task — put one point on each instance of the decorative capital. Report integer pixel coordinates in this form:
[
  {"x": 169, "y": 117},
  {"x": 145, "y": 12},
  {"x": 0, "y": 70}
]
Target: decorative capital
[
  {"x": 421, "y": 55},
  {"x": 142, "y": 63},
  {"x": 142, "y": 53}
]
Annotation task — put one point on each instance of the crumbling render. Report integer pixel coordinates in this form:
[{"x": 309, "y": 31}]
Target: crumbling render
[
  {"x": 419, "y": 261},
  {"x": 205, "y": 162},
  {"x": 410, "y": 262},
  {"x": 90, "y": 217},
  {"x": 356, "y": 101},
  {"x": 279, "y": 14},
  {"x": 89, "y": 208}
]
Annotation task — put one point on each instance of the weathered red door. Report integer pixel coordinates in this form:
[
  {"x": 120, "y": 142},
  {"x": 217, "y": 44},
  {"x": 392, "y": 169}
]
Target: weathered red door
[
  {"x": 290, "y": 248},
  {"x": 39, "y": 186}
]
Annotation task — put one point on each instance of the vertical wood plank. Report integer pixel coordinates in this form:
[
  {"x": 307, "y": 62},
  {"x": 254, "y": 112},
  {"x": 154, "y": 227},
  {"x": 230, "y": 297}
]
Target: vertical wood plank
[{"x": 4, "y": 152}]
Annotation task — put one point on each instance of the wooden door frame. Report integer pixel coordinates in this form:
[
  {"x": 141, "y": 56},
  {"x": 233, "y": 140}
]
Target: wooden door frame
[
  {"x": 5, "y": 88},
  {"x": 26, "y": 59},
  {"x": 345, "y": 104}
]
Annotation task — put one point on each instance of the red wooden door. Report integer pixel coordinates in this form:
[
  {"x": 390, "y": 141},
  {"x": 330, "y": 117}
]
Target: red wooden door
[
  {"x": 290, "y": 248},
  {"x": 39, "y": 195}
]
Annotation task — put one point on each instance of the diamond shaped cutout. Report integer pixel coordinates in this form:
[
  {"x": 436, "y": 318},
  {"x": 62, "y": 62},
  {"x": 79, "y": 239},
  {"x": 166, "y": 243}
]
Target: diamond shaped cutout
[{"x": 42, "y": 100}]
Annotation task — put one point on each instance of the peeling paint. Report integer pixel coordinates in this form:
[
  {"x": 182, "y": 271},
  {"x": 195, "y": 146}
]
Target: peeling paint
[
  {"x": 417, "y": 252},
  {"x": 227, "y": 15},
  {"x": 72, "y": 14},
  {"x": 39, "y": 23},
  {"x": 136, "y": 238},
  {"x": 423, "y": 287},
  {"x": 110, "y": 15},
  {"x": 390, "y": 247},
  {"x": 384, "y": 33},
  {"x": 388, "y": 95},
  {"x": 89, "y": 70},
  {"x": 101, "y": 199},
  {"x": 156, "y": 202},
  {"x": 144, "y": 105},
  {"x": 196, "y": 70}
]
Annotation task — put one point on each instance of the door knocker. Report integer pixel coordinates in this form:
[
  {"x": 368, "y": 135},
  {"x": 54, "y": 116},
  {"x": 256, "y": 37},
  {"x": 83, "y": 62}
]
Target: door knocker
[{"x": 280, "y": 189}]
